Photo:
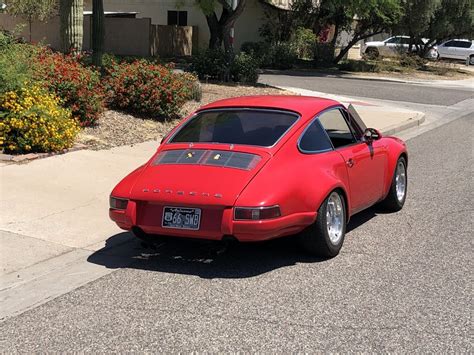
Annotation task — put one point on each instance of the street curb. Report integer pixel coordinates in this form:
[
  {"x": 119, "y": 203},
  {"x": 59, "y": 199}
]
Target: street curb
[
  {"x": 25, "y": 158},
  {"x": 352, "y": 76},
  {"x": 433, "y": 82},
  {"x": 417, "y": 120}
]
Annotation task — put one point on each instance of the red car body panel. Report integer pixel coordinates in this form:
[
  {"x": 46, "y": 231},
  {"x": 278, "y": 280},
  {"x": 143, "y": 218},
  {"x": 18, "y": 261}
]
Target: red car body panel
[{"x": 284, "y": 176}]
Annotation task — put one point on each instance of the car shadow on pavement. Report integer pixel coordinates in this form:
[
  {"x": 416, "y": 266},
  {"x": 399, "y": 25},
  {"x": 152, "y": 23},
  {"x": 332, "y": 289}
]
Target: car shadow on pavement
[{"x": 208, "y": 259}]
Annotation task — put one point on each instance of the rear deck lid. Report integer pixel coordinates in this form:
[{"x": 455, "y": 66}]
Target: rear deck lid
[{"x": 212, "y": 175}]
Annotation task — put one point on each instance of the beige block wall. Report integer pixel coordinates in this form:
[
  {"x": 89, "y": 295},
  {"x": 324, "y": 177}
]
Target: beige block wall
[
  {"x": 123, "y": 36},
  {"x": 41, "y": 32},
  {"x": 246, "y": 27}
]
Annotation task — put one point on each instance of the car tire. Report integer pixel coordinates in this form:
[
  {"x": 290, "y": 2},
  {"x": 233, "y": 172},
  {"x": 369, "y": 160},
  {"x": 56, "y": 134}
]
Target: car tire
[
  {"x": 372, "y": 53},
  {"x": 398, "y": 189},
  {"x": 471, "y": 60},
  {"x": 326, "y": 235}
]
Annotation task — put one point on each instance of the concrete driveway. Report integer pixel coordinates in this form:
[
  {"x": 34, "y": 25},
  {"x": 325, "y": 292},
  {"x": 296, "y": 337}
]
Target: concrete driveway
[{"x": 53, "y": 205}]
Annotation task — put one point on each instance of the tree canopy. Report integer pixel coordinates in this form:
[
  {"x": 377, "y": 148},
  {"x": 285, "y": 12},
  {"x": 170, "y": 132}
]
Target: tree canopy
[
  {"x": 360, "y": 18},
  {"x": 435, "y": 20},
  {"x": 32, "y": 10}
]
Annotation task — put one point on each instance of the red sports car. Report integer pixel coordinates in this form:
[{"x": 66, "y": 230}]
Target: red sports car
[{"x": 263, "y": 167}]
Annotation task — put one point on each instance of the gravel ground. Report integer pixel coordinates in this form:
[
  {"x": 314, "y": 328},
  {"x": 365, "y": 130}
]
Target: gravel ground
[{"x": 118, "y": 128}]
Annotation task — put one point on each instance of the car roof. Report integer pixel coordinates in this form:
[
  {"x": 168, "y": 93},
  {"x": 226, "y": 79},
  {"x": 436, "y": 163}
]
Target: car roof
[
  {"x": 459, "y": 39},
  {"x": 305, "y": 106}
]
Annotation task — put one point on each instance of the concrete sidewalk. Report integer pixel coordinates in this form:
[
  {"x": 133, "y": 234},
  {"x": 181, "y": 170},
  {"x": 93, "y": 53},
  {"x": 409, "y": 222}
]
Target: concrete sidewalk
[
  {"x": 55, "y": 213},
  {"x": 464, "y": 84}
]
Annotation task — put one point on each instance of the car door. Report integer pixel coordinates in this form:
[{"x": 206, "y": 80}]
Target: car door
[
  {"x": 462, "y": 49},
  {"x": 448, "y": 50},
  {"x": 365, "y": 163},
  {"x": 393, "y": 46},
  {"x": 388, "y": 47}
]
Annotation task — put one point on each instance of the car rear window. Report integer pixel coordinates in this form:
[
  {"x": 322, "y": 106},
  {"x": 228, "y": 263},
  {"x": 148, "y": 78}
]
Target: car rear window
[{"x": 236, "y": 126}]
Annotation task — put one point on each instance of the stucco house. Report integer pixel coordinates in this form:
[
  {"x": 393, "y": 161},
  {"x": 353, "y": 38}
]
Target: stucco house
[{"x": 187, "y": 13}]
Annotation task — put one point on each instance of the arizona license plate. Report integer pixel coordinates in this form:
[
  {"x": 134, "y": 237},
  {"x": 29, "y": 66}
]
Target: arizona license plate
[{"x": 181, "y": 218}]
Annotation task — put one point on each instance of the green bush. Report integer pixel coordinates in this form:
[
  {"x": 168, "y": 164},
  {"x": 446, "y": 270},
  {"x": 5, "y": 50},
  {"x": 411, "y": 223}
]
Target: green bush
[
  {"x": 16, "y": 63},
  {"x": 244, "y": 68},
  {"x": 211, "y": 64},
  {"x": 357, "y": 66},
  {"x": 403, "y": 64},
  {"x": 255, "y": 49},
  {"x": 275, "y": 56},
  {"x": 412, "y": 61},
  {"x": 304, "y": 41},
  {"x": 281, "y": 56},
  {"x": 215, "y": 65},
  {"x": 323, "y": 53}
]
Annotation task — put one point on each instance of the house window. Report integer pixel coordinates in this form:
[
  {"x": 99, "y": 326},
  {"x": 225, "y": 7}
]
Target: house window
[{"x": 178, "y": 18}]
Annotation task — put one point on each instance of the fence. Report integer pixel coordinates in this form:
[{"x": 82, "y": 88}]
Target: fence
[{"x": 123, "y": 36}]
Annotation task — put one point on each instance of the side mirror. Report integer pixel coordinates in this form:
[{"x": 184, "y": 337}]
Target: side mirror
[{"x": 372, "y": 134}]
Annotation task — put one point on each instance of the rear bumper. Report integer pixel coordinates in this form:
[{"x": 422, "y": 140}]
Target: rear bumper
[
  {"x": 244, "y": 231},
  {"x": 250, "y": 231}
]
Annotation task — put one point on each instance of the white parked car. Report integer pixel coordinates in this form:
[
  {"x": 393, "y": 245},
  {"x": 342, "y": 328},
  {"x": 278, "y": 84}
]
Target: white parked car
[
  {"x": 392, "y": 47},
  {"x": 462, "y": 49}
]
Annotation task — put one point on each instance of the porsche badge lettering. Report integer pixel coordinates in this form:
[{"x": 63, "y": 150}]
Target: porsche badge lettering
[{"x": 182, "y": 193}]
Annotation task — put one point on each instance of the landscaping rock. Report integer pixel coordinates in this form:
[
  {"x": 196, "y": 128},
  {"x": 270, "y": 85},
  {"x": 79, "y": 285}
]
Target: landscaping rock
[{"x": 117, "y": 128}]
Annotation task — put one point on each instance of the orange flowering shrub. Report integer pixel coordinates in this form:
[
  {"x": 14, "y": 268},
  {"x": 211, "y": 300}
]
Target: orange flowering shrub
[
  {"x": 78, "y": 86},
  {"x": 147, "y": 88}
]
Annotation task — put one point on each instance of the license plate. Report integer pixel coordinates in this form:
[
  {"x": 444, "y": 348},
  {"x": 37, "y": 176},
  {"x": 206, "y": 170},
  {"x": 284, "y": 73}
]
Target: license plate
[{"x": 181, "y": 218}]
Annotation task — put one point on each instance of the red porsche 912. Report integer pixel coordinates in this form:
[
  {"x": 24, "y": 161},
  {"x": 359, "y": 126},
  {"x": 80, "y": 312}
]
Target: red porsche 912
[{"x": 262, "y": 167}]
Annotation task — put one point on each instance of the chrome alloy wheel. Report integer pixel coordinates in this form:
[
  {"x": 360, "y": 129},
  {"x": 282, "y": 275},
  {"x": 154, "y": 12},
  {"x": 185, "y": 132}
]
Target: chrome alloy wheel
[
  {"x": 401, "y": 181},
  {"x": 335, "y": 218}
]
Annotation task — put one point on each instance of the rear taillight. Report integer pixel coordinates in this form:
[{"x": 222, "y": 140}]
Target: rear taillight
[
  {"x": 256, "y": 213},
  {"x": 118, "y": 203}
]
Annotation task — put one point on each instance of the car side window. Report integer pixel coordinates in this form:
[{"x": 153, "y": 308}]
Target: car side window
[
  {"x": 395, "y": 40},
  {"x": 404, "y": 40},
  {"x": 357, "y": 132},
  {"x": 450, "y": 44},
  {"x": 464, "y": 44},
  {"x": 337, "y": 128},
  {"x": 314, "y": 139}
]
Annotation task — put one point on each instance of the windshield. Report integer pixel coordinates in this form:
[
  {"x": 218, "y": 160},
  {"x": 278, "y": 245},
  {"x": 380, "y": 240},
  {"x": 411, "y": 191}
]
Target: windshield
[{"x": 236, "y": 126}]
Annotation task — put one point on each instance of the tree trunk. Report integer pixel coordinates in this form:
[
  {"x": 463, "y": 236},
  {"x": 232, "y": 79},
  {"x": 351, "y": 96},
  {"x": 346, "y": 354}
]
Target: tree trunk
[
  {"x": 343, "y": 52},
  {"x": 215, "y": 40},
  {"x": 220, "y": 28},
  {"x": 30, "y": 23},
  {"x": 71, "y": 25},
  {"x": 357, "y": 37},
  {"x": 98, "y": 32},
  {"x": 226, "y": 39}
]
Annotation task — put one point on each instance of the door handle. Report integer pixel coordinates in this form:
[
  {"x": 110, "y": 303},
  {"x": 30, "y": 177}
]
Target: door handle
[{"x": 350, "y": 163}]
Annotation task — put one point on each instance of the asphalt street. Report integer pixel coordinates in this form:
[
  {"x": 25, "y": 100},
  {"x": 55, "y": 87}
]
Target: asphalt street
[
  {"x": 384, "y": 90},
  {"x": 402, "y": 283}
]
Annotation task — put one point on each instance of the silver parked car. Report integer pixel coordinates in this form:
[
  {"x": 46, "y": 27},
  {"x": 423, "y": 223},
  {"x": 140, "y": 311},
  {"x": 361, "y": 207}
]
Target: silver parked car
[
  {"x": 394, "y": 46},
  {"x": 462, "y": 49}
]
